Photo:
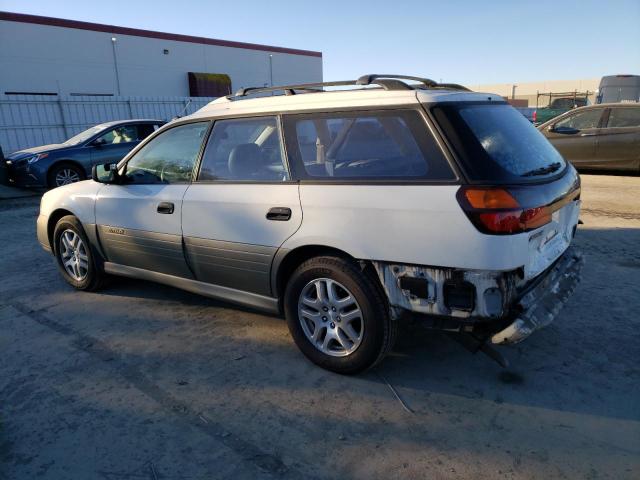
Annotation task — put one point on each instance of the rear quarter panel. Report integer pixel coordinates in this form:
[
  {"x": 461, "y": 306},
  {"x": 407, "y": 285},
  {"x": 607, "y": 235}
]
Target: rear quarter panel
[{"x": 414, "y": 224}]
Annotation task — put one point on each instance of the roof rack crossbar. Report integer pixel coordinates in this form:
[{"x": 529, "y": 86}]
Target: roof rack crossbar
[
  {"x": 453, "y": 86},
  {"x": 385, "y": 81},
  {"x": 371, "y": 78}
]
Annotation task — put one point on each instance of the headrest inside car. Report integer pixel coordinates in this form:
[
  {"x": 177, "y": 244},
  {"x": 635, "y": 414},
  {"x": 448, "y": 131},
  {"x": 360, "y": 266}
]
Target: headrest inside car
[{"x": 245, "y": 160}]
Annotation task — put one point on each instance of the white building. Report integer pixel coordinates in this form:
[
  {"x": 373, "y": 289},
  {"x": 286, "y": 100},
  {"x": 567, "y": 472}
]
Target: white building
[{"x": 43, "y": 55}]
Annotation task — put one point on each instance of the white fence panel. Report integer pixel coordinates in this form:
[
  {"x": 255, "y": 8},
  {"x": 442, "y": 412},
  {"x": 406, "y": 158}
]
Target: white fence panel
[{"x": 33, "y": 120}]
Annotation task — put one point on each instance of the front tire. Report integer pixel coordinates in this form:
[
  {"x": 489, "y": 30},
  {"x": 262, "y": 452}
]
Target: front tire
[
  {"x": 74, "y": 256},
  {"x": 337, "y": 315}
]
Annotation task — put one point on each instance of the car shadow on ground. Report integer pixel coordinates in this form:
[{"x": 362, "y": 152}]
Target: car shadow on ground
[{"x": 576, "y": 364}]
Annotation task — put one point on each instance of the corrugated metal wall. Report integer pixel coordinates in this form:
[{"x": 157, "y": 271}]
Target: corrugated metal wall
[{"x": 32, "y": 120}]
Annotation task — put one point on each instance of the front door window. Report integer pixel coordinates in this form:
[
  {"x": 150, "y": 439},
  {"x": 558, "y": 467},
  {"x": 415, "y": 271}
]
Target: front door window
[
  {"x": 581, "y": 120},
  {"x": 169, "y": 157}
]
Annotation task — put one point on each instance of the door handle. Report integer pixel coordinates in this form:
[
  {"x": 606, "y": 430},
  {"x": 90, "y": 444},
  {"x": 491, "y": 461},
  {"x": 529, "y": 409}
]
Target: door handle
[
  {"x": 165, "y": 207},
  {"x": 587, "y": 134},
  {"x": 280, "y": 214}
]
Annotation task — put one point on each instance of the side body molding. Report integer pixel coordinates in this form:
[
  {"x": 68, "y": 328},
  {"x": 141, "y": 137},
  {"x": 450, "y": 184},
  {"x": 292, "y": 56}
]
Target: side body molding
[{"x": 252, "y": 300}]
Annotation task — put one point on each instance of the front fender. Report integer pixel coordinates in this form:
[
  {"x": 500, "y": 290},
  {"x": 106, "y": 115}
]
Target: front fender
[{"x": 78, "y": 198}]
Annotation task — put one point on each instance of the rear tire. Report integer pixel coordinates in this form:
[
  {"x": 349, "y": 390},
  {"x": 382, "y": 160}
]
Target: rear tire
[
  {"x": 74, "y": 255},
  {"x": 338, "y": 316},
  {"x": 64, "y": 174}
]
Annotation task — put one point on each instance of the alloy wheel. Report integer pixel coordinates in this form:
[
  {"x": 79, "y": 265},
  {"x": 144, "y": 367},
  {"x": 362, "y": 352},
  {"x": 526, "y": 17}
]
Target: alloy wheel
[
  {"x": 65, "y": 176},
  {"x": 330, "y": 317},
  {"x": 73, "y": 255}
]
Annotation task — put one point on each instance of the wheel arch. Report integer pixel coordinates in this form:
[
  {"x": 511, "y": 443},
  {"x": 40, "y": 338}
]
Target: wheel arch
[
  {"x": 54, "y": 217},
  {"x": 65, "y": 161},
  {"x": 286, "y": 261},
  {"x": 89, "y": 230}
]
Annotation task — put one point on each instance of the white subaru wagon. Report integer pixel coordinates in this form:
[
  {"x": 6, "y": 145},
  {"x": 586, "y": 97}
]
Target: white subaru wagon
[{"x": 345, "y": 206}]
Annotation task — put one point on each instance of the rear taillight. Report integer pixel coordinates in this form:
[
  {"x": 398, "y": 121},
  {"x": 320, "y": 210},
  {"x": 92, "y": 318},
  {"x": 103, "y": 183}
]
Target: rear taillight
[
  {"x": 535, "y": 116},
  {"x": 496, "y": 211}
]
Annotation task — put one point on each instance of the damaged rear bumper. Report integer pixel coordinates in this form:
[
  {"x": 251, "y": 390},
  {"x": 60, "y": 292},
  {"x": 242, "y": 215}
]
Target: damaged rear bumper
[
  {"x": 496, "y": 306},
  {"x": 541, "y": 302}
]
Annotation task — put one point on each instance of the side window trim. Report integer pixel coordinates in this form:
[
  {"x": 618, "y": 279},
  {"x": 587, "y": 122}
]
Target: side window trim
[
  {"x": 604, "y": 118},
  {"x": 205, "y": 140},
  {"x": 283, "y": 149},
  {"x": 283, "y": 152},
  {"x": 122, "y": 165}
]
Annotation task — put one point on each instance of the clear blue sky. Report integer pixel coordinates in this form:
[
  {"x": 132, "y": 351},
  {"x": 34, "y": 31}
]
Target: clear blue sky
[{"x": 454, "y": 40}]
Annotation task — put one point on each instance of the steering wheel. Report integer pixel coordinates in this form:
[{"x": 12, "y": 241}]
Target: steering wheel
[{"x": 168, "y": 171}]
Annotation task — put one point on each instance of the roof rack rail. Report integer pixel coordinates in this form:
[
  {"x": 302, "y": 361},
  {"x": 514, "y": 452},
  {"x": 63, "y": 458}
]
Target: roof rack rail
[
  {"x": 291, "y": 89},
  {"x": 385, "y": 81}
]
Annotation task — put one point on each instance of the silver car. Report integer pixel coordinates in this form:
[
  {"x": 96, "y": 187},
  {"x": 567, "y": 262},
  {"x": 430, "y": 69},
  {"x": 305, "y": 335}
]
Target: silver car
[{"x": 345, "y": 210}]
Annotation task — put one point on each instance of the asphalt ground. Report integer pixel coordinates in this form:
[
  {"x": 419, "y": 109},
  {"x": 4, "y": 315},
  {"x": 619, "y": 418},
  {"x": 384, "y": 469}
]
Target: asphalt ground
[{"x": 142, "y": 381}]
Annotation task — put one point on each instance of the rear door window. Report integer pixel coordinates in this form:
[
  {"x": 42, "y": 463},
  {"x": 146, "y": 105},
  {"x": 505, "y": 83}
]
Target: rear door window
[
  {"x": 497, "y": 144},
  {"x": 380, "y": 145},
  {"x": 245, "y": 149},
  {"x": 624, "y": 117}
]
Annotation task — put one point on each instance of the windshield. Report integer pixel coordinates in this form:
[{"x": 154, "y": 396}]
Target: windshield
[
  {"x": 497, "y": 144},
  {"x": 84, "y": 136}
]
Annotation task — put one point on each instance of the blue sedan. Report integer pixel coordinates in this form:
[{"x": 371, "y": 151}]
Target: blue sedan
[{"x": 63, "y": 163}]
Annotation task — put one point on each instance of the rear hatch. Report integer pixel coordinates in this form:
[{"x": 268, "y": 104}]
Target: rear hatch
[{"x": 516, "y": 181}]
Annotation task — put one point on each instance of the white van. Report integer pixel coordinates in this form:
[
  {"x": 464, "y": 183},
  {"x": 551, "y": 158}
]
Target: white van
[{"x": 619, "y": 88}]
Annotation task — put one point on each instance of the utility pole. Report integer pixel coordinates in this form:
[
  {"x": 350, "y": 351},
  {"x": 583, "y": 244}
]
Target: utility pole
[
  {"x": 115, "y": 63},
  {"x": 271, "y": 69}
]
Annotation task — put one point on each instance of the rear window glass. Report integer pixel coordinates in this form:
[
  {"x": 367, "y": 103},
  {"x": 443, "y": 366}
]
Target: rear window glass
[
  {"x": 496, "y": 143},
  {"x": 364, "y": 145},
  {"x": 619, "y": 94},
  {"x": 568, "y": 103}
]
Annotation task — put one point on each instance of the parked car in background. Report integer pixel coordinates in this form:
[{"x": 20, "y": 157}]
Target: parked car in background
[
  {"x": 619, "y": 88},
  {"x": 71, "y": 161},
  {"x": 605, "y": 136},
  {"x": 557, "y": 106},
  {"x": 344, "y": 210},
  {"x": 4, "y": 179}
]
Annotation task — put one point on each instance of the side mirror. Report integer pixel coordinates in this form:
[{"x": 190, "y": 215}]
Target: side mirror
[
  {"x": 98, "y": 142},
  {"x": 551, "y": 128},
  {"x": 104, "y": 173}
]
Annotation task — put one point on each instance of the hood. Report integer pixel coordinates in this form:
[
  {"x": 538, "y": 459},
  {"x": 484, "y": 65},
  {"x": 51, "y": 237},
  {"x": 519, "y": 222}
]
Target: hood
[{"x": 27, "y": 152}]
